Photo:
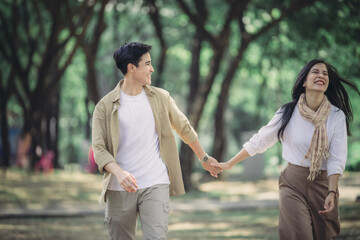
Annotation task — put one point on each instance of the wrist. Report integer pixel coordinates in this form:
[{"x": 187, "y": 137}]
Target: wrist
[
  {"x": 331, "y": 192},
  {"x": 204, "y": 158},
  {"x": 118, "y": 172}
]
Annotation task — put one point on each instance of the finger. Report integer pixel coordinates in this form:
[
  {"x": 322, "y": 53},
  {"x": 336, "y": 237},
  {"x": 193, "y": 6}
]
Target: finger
[
  {"x": 213, "y": 174},
  {"x": 323, "y": 212},
  {"x": 217, "y": 168},
  {"x": 133, "y": 178},
  {"x": 218, "y": 171},
  {"x": 132, "y": 181},
  {"x": 331, "y": 207},
  {"x": 130, "y": 189}
]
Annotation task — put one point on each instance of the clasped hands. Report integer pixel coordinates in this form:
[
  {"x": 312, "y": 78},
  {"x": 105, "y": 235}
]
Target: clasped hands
[{"x": 214, "y": 167}]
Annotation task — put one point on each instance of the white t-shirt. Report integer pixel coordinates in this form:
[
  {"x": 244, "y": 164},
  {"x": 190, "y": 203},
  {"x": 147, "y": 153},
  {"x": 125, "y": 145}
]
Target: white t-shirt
[
  {"x": 297, "y": 138},
  {"x": 138, "y": 150}
]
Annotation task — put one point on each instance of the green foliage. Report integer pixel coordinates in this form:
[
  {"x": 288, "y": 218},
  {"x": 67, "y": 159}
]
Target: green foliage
[
  {"x": 263, "y": 80},
  {"x": 73, "y": 144}
]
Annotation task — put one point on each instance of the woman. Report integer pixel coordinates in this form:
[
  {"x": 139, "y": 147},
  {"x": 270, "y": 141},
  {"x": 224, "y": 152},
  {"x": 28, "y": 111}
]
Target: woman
[{"x": 313, "y": 130}]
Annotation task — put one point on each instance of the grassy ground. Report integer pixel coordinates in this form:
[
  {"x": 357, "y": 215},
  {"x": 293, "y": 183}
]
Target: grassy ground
[{"x": 19, "y": 190}]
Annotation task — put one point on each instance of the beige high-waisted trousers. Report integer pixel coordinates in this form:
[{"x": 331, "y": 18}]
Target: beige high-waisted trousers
[{"x": 299, "y": 203}]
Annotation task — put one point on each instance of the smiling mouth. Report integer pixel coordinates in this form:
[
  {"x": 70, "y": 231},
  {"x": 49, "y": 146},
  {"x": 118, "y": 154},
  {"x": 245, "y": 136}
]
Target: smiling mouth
[{"x": 320, "y": 82}]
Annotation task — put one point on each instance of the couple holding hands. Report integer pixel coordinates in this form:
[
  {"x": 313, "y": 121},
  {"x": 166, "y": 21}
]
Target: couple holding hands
[{"x": 135, "y": 150}]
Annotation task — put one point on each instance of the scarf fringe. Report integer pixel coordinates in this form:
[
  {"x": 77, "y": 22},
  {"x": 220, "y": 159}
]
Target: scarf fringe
[{"x": 315, "y": 171}]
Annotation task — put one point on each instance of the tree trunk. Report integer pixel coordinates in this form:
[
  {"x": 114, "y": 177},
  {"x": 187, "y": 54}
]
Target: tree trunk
[
  {"x": 5, "y": 136},
  {"x": 186, "y": 154},
  {"x": 220, "y": 133},
  {"x": 155, "y": 18},
  {"x": 186, "y": 162},
  {"x": 52, "y": 127},
  {"x": 36, "y": 138},
  {"x": 194, "y": 116}
]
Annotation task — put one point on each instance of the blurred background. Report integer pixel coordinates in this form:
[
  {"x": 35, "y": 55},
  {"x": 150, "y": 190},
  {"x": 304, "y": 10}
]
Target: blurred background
[{"x": 228, "y": 64}]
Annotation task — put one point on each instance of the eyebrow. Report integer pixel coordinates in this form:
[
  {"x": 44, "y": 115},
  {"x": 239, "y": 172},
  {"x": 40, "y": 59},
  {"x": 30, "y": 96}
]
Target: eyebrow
[{"x": 315, "y": 69}]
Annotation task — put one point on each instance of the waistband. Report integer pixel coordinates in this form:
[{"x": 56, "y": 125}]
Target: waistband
[{"x": 306, "y": 171}]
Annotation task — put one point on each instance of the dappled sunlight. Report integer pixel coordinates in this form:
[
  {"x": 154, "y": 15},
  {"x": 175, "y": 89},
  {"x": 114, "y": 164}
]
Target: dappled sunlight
[
  {"x": 38, "y": 190},
  {"x": 193, "y": 226},
  {"x": 236, "y": 191},
  {"x": 13, "y": 227}
]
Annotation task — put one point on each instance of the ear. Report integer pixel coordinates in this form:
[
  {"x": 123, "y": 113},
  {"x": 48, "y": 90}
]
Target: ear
[{"x": 131, "y": 67}]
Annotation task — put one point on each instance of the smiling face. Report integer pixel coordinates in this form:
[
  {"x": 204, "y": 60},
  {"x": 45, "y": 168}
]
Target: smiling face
[
  {"x": 317, "y": 79},
  {"x": 143, "y": 72}
]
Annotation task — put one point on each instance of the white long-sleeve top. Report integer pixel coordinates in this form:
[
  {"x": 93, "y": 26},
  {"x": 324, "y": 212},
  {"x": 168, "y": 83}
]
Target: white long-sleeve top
[{"x": 297, "y": 138}]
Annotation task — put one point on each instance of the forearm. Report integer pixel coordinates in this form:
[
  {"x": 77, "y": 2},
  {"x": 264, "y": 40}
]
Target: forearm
[
  {"x": 243, "y": 154},
  {"x": 197, "y": 149},
  {"x": 333, "y": 182},
  {"x": 330, "y": 198},
  {"x": 113, "y": 168}
]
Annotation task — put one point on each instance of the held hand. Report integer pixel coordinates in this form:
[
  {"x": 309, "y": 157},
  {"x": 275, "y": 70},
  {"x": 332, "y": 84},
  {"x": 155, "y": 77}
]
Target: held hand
[
  {"x": 329, "y": 204},
  {"x": 208, "y": 165},
  {"x": 127, "y": 181},
  {"x": 222, "y": 165}
]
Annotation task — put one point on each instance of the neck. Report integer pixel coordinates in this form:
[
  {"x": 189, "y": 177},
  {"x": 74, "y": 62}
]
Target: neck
[
  {"x": 313, "y": 100},
  {"x": 129, "y": 88}
]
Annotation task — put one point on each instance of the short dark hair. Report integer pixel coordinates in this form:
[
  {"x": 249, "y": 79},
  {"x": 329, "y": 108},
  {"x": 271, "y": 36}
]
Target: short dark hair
[{"x": 130, "y": 53}]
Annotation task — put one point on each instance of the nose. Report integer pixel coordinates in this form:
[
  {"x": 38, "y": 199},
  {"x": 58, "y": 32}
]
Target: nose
[{"x": 152, "y": 69}]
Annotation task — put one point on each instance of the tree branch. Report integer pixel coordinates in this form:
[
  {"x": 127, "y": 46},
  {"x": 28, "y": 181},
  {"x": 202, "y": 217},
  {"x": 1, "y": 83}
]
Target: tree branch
[
  {"x": 294, "y": 7},
  {"x": 199, "y": 24}
]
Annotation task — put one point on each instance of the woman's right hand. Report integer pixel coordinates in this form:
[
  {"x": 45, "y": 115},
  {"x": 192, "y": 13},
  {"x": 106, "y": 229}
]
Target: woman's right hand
[{"x": 222, "y": 165}]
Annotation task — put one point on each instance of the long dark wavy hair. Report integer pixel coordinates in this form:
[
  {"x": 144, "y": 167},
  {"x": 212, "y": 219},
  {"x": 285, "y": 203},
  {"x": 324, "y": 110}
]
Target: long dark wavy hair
[{"x": 336, "y": 93}]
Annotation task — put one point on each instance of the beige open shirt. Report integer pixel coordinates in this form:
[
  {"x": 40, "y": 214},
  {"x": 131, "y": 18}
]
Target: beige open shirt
[{"x": 105, "y": 134}]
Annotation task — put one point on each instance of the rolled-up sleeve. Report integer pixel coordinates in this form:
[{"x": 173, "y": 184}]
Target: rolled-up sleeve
[
  {"x": 99, "y": 138},
  {"x": 338, "y": 147},
  {"x": 265, "y": 137},
  {"x": 180, "y": 123}
]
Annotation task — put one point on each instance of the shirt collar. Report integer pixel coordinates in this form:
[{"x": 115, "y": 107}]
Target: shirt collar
[{"x": 115, "y": 94}]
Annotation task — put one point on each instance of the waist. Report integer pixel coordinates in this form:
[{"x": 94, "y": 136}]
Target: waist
[{"x": 305, "y": 171}]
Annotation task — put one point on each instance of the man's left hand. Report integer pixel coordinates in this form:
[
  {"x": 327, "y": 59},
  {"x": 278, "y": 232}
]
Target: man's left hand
[{"x": 213, "y": 170}]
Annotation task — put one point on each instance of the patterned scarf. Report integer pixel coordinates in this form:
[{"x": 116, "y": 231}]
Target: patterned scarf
[{"x": 319, "y": 147}]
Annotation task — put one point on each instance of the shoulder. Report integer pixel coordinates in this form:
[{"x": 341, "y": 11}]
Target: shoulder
[
  {"x": 161, "y": 94},
  {"x": 159, "y": 91},
  {"x": 337, "y": 113},
  {"x": 106, "y": 101}
]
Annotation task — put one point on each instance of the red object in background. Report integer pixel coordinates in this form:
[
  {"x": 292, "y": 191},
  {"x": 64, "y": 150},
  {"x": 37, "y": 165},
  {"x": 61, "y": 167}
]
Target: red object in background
[
  {"x": 92, "y": 167},
  {"x": 46, "y": 162}
]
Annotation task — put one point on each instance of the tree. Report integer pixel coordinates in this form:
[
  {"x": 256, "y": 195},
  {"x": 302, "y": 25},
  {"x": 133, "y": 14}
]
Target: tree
[
  {"x": 90, "y": 46},
  {"x": 155, "y": 18},
  {"x": 38, "y": 41},
  {"x": 246, "y": 39},
  {"x": 219, "y": 43}
]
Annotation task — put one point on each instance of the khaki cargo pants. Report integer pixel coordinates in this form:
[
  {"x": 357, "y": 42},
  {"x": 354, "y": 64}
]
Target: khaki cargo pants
[{"x": 150, "y": 204}]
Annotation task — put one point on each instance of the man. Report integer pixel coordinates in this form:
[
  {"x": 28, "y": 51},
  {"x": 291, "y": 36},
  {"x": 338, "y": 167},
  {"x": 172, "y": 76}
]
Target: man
[{"x": 135, "y": 148}]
